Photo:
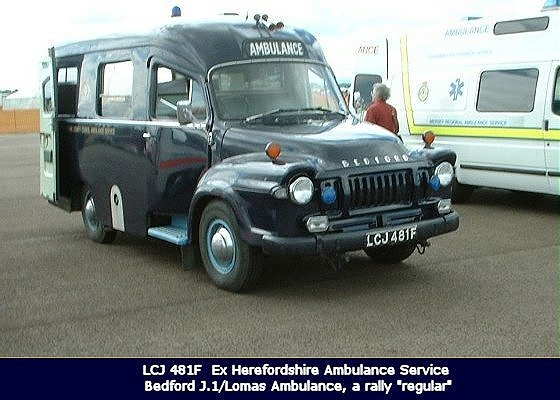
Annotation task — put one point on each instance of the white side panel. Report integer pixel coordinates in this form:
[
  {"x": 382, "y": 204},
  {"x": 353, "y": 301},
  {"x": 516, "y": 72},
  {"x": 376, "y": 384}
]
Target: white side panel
[{"x": 117, "y": 213}]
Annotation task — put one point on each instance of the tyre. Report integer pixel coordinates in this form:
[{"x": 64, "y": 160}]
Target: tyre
[
  {"x": 391, "y": 254},
  {"x": 229, "y": 261},
  {"x": 94, "y": 228}
]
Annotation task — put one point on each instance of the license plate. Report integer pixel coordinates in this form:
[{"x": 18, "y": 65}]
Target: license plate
[{"x": 391, "y": 236}]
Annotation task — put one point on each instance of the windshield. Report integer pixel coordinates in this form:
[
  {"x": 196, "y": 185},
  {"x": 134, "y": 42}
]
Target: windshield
[{"x": 248, "y": 90}]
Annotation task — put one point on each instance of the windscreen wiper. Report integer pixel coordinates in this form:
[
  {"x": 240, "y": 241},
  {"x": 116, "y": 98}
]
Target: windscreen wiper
[
  {"x": 295, "y": 111},
  {"x": 256, "y": 117},
  {"x": 324, "y": 111}
]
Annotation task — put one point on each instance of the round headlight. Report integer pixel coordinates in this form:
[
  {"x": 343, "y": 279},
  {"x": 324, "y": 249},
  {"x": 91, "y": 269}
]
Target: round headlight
[
  {"x": 444, "y": 172},
  {"x": 301, "y": 190}
]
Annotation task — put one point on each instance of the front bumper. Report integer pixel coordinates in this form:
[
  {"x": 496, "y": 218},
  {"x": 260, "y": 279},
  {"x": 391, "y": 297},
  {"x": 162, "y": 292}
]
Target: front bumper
[{"x": 323, "y": 243}]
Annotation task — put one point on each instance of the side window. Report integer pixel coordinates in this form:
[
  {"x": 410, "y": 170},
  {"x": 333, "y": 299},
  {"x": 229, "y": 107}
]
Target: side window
[
  {"x": 47, "y": 95},
  {"x": 67, "y": 80},
  {"x": 556, "y": 99},
  {"x": 68, "y": 75},
  {"x": 115, "y": 91},
  {"x": 173, "y": 86},
  {"x": 521, "y": 25},
  {"x": 507, "y": 90}
]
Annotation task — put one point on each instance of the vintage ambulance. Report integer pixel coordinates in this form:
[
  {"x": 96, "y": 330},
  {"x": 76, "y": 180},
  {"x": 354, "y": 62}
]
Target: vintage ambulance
[
  {"x": 231, "y": 139},
  {"x": 489, "y": 89}
]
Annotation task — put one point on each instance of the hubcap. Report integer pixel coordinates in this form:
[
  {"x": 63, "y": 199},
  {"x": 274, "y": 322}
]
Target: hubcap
[
  {"x": 221, "y": 246},
  {"x": 91, "y": 218}
]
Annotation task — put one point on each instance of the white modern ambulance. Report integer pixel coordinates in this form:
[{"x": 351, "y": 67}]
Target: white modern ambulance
[{"x": 489, "y": 89}]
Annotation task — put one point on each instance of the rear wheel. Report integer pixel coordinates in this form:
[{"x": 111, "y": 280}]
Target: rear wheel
[
  {"x": 391, "y": 254},
  {"x": 94, "y": 228},
  {"x": 231, "y": 263}
]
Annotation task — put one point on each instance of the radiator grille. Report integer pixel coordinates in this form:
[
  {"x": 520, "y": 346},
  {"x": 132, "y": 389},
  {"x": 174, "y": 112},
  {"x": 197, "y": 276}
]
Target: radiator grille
[{"x": 383, "y": 189}]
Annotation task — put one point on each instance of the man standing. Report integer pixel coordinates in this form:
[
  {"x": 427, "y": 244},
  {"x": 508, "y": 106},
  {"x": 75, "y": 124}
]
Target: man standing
[{"x": 380, "y": 112}]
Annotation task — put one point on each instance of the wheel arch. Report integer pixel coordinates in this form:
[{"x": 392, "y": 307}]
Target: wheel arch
[
  {"x": 202, "y": 198},
  {"x": 438, "y": 155}
]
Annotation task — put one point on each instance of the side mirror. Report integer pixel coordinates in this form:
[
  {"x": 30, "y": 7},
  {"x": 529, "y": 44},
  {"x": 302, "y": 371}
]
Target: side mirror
[{"x": 184, "y": 112}]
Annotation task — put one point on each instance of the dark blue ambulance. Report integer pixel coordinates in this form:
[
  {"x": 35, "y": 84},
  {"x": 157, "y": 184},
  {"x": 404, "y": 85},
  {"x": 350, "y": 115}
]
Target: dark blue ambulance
[{"x": 231, "y": 139}]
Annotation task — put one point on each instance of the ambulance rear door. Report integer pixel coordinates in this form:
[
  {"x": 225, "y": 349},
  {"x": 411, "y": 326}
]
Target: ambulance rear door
[
  {"x": 48, "y": 130},
  {"x": 551, "y": 126}
]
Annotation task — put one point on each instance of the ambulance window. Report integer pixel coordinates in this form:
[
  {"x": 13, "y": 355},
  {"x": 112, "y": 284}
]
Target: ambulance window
[
  {"x": 321, "y": 95},
  {"x": 249, "y": 89},
  {"x": 521, "y": 25},
  {"x": 551, "y": 4},
  {"x": 67, "y": 100},
  {"x": 507, "y": 90},
  {"x": 115, "y": 92},
  {"x": 171, "y": 86},
  {"x": 68, "y": 75},
  {"x": 556, "y": 99},
  {"x": 47, "y": 89}
]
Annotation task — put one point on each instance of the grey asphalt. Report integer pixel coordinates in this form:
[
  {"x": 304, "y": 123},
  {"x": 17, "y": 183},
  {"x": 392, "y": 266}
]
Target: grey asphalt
[{"x": 489, "y": 289}]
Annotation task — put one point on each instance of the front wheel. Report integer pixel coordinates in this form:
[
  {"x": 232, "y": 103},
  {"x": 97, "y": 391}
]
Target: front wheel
[
  {"x": 231, "y": 263},
  {"x": 391, "y": 254},
  {"x": 94, "y": 228}
]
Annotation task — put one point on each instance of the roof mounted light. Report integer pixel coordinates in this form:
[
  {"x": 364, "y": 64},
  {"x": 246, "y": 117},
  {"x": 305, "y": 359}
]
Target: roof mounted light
[
  {"x": 175, "y": 11},
  {"x": 262, "y": 20}
]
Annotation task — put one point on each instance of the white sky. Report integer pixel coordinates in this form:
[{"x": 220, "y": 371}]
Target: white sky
[{"x": 27, "y": 29}]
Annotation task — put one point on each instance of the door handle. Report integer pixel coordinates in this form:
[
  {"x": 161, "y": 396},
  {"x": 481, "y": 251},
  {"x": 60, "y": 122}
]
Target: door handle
[
  {"x": 146, "y": 135},
  {"x": 45, "y": 137}
]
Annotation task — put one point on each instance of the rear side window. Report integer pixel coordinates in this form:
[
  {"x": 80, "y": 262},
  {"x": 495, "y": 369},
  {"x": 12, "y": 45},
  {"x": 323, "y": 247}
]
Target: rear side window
[
  {"x": 115, "y": 91},
  {"x": 521, "y": 25},
  {"x": 507, "y": 90},
  {"x": 68, "y": 75}
]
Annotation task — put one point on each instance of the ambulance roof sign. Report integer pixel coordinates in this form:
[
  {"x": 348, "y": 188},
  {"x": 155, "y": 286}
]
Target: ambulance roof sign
[{"x": 274, "y": 48}]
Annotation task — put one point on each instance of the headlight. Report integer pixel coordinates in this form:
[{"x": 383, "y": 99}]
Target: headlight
[
  {"x": 444, "y": 172},
  {"x": 301, "y": 190}
]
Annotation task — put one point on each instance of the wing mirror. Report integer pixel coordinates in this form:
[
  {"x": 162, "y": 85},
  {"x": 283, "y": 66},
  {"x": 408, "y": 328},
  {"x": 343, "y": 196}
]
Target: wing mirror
[{"x": 184, "y": 112}]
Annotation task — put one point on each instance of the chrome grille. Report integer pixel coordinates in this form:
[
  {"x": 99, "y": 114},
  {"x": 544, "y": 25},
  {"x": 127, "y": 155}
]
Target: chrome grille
[{"x": 383, "y": 189}]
